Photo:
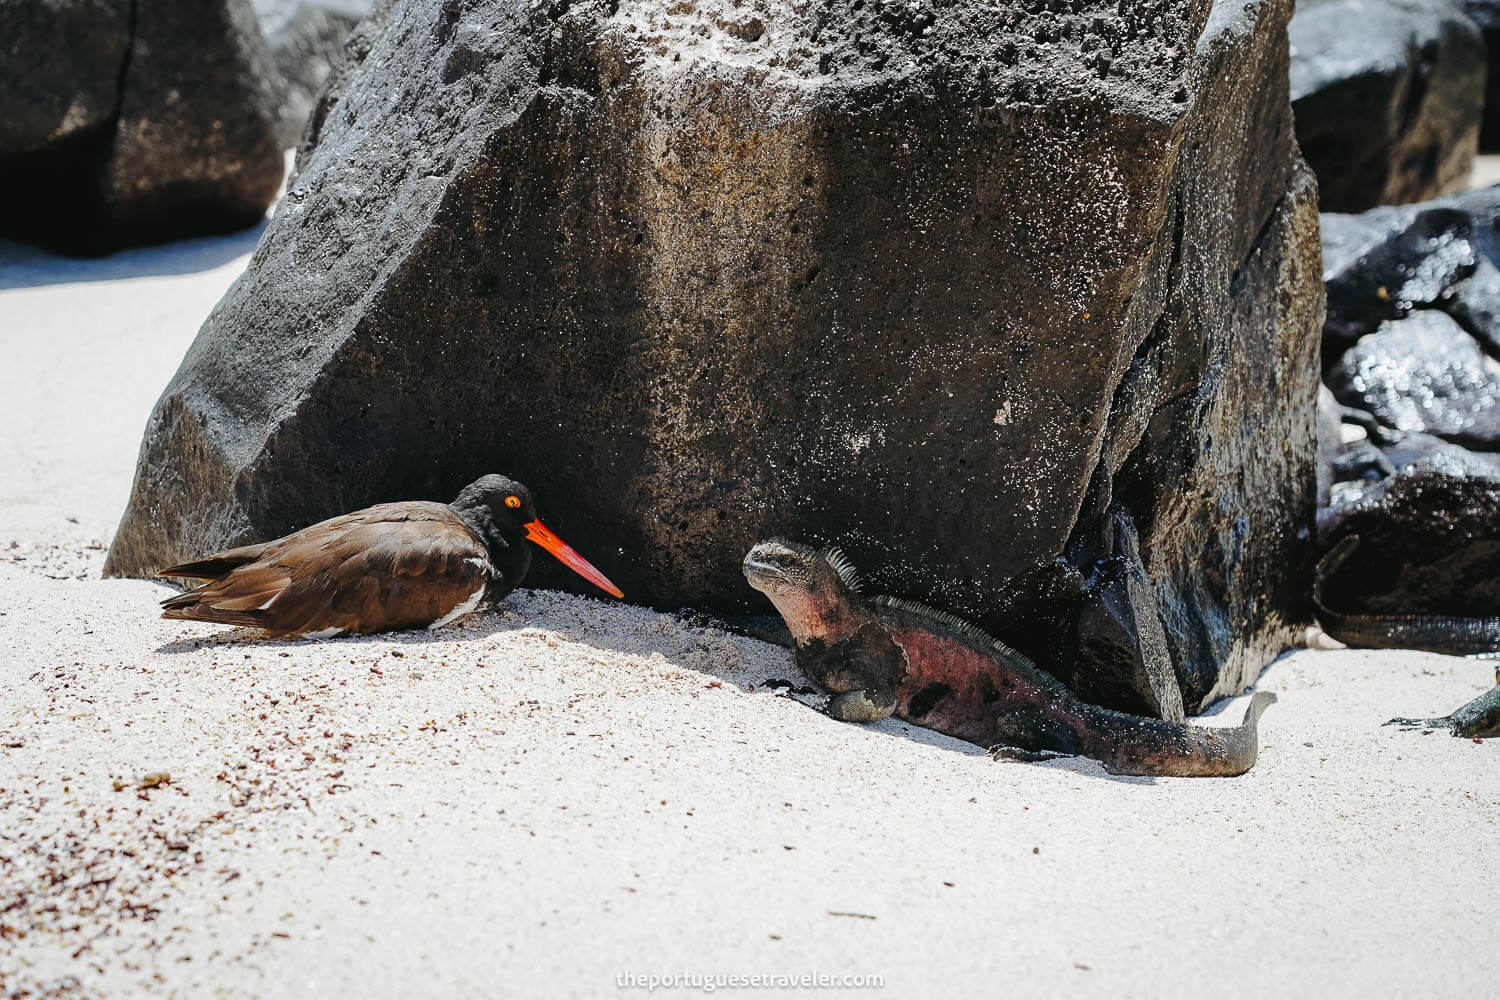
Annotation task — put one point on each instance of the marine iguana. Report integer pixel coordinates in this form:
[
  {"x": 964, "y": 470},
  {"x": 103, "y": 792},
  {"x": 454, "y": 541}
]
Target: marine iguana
[
  {"x": 882, "y": 655},
  {"x": 1478, "y": 719}
]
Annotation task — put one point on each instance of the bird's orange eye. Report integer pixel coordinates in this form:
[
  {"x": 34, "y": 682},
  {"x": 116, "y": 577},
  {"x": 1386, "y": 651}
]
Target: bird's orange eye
[{"x": 512, "y": 501}]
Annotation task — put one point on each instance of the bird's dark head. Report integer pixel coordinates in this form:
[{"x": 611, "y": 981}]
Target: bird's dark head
[
  {"x": 502, "y": 501},
  {"x": 811, "y": 589},
  {"x": 503, "y": 512}
]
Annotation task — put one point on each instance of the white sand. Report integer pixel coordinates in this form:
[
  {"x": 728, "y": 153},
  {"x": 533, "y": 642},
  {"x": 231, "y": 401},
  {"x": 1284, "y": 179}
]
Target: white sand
[
  {"x": 1486, "y": 171},
  {"x": 538, "y": 801}
]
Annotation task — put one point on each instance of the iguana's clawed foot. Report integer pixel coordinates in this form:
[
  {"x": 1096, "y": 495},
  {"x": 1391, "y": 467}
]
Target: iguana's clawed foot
[
  {"x": 864, "y": 705},
  {"x": 1428, "y": 725},
  {"x": 1478, "y": 719},
  {"x": 1002, "y": 752}
]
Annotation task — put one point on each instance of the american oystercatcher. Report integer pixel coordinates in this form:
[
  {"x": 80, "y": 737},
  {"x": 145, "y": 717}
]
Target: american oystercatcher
[{"x": 414, "y": 564}]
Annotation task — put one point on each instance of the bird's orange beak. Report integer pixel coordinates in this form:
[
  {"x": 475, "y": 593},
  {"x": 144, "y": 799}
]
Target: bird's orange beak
[{"x": 538, "y": 532}]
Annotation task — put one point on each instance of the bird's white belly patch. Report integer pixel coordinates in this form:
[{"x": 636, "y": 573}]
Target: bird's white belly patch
[{"x": 461, "y": 610}]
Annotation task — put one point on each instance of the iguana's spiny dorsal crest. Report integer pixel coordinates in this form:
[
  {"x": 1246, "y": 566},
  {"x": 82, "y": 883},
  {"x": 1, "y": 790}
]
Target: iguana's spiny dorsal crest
[
  {"x": 945, "y": 618},
  {"x": 842, "y": 565}
]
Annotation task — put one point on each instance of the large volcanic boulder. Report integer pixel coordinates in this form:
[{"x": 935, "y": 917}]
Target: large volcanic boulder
[
  {"x": 961, "y": 287},
  {"x": 1410, "y": 349},
  {"x": 1389, "y": 95},
  {"x": 131, "y": 122},
  {"x": 68, "y": 88},
  {"x": 306, "y": 39}
]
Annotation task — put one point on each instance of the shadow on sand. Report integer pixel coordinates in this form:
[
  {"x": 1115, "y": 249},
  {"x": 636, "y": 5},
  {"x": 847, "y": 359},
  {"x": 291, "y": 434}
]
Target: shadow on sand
[
  {"x": 599, "y": 634},
  {"x": 261, "y": 639},
  {"x": 699, "y": 621},
  {"x": 23, "y": 265}
]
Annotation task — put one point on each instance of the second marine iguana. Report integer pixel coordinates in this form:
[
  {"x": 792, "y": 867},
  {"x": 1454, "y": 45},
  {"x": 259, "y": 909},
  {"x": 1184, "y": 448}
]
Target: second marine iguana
[{"x": 883, "y": 655}]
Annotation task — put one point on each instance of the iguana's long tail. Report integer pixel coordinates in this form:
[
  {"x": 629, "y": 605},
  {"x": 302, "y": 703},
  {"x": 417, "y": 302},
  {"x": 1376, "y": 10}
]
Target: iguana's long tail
[{"x": 1133, "y": 744}]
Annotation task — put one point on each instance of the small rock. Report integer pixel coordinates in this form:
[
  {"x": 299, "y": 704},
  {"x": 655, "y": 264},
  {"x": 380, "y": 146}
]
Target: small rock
[{"x": 1388, "y": 96}]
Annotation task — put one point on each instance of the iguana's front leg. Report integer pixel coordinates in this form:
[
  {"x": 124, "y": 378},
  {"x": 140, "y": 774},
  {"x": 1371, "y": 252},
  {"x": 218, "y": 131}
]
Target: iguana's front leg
[
  {"x": 861, "y": 671},
  {"x": 1478, "y": 719},
  {"x": 863, "y": 705}
]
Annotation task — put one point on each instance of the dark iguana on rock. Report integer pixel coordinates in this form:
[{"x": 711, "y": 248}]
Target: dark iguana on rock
[
  {"x": 882, "y": 655},
  {"x": 1456, "y": 635}
]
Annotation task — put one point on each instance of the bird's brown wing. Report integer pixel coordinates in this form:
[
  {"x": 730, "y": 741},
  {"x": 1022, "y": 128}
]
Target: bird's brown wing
[
  {"x": 392, "y": 566},
  {"x": 214, "y": 566}
]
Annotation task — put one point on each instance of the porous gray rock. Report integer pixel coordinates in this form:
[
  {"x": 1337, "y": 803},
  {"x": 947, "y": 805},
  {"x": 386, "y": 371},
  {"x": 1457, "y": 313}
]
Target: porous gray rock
[
  {"x": 943, "y": 284},
  {"x": 357, "y": 46},
  {"x": 129, "y": 122},
  {"x": 306, "y": 39},
  {"x": 1389, "y": 97}
]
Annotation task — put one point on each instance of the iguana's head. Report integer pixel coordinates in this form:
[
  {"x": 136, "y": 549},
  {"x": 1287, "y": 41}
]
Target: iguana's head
[{"x": 811, "y": 589}]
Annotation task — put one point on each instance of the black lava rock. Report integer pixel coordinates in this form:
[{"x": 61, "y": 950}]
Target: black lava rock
[
  {"x": 1385, "y": 263},
  {"x": 1119, "y": 621},
  {"x": 1429, "y": 535},
  {"x": 1410, "y": 349},
  {"x": 129, "y": 122},
  {"x": 1391, "y": 262},
  {"x": 944, "y": 285},
  {"x": 1389, "y": 95},
  {"x": 60, "y": 69}
]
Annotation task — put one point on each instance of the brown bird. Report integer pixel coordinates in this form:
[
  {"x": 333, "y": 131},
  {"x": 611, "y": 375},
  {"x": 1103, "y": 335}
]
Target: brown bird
[{"x": 415, "y": 564}]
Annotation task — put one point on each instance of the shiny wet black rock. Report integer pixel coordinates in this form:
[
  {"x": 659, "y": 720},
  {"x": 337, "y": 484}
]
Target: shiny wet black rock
[
  {"x": 1429, "y": 535},
  {"x": 1424, "y": 373},
  {"x": 1410, "y": 350},
  {"x": 1386, "y": 263},
  {"x": 1391, "y": 262}
]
